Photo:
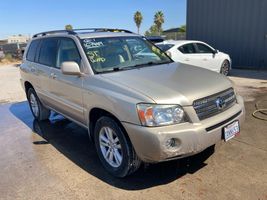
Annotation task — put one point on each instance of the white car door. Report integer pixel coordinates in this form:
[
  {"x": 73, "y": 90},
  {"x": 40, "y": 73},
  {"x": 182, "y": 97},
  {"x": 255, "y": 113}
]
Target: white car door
[
  {"x": 208, "y": 57},
  {"x": 185, "y": 54}
]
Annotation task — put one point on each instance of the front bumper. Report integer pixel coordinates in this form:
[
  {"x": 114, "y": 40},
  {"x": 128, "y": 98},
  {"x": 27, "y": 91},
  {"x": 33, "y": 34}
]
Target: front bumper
[{"x": 191, "y": 138}]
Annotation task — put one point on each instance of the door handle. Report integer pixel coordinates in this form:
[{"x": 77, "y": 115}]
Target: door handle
[
  {"x": 205, "y": 59},
  {"x": 53, "y": 76},
  {"x": 187, "y": 59}
]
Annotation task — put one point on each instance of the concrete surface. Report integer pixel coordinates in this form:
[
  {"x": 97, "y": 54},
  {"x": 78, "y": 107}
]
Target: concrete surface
[
  {"x": 55, "y": 160},
  {"x": 249, "y": 83},
  {"x": 10, "y": 88}
]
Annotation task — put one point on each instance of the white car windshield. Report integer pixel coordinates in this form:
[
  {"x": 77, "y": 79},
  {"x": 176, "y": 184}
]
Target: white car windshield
[{"x": 122, "y": 53}]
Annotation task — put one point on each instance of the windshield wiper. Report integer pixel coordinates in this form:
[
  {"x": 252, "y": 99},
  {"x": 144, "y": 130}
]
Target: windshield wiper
[
  {"x": 140, "y": 65},
  {"x": 116, "y": 69}
]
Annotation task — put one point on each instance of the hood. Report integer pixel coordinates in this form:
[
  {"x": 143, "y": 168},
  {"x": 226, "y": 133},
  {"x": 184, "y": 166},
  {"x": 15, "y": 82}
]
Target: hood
[{"x": 173, "y": 83}]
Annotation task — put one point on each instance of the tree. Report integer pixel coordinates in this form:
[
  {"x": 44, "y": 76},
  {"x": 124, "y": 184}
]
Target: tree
[
  {"x": 68, "y": 27},
  {"x": 153, "y": 31},
  {"x": 182, "y": 29},
  {"x": 138, "y": 18},
  {"x": 159, "y": 20}
]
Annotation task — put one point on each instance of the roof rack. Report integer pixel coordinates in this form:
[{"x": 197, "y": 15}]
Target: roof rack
[{"x": 85, "y": 30}]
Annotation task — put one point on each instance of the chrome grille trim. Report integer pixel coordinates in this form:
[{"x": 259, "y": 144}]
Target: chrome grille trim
[{"x": 206, "y": 107}]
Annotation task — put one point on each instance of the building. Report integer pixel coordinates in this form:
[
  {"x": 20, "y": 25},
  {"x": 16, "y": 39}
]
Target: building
[
  {"x": 3, "y": 42},
  {"x": 237, "y": 27},
  {"x": 174, "y": 34},
  {"x": 18, "y": 39}
]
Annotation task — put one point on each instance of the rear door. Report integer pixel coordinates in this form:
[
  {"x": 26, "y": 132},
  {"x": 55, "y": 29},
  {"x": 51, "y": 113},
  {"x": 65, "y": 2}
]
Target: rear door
[
  {"x": 45, "y": 60},
  {"x": 186, "y": 54},
  {"x": 66, "y": 90},
  {"x": 39, "y": 72}
]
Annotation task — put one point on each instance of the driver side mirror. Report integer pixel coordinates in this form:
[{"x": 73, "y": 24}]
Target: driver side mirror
[
  {"x": 70, "y": 68},
  {"x": 215, "y": 51}
]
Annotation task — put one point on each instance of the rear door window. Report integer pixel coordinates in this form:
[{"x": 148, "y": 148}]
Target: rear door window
[
  {"x": 187, "y": 48},
  {"x": 32, "y": 50},
  {"x": 48, "y": 52}
]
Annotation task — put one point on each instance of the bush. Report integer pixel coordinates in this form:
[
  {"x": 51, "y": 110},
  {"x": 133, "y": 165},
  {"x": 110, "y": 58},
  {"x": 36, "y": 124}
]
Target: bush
[{"x": 9, "y": 57}]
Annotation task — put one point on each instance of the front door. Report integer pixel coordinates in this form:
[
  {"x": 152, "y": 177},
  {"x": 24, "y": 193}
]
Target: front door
[
  {"x": 66, "y": 90},
  {"x": 207, "y": 58}
]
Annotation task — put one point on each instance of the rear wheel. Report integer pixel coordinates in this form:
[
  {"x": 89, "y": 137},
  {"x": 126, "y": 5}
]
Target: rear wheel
[
  {"x": 114, "y": 149},
  {"x": 38, "y": 110},
  {"x": 225, "y": 68}
]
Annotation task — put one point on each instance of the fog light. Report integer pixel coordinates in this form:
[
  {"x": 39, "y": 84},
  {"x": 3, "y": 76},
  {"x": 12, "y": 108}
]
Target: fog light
[{"x": 170, "y": 143}]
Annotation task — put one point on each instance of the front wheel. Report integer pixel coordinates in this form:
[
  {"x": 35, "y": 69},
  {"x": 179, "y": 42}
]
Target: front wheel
[
  {"x": 225, "y": 68},
  {"x": 38, "y": 110},
  {"x": 114, "y": 149}
]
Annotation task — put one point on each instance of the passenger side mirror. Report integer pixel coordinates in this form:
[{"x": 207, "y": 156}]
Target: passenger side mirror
[{"x": 70, "y": 68}]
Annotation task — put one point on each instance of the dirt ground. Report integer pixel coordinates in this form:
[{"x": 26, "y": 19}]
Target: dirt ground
[{"x": 55, "y": 160}]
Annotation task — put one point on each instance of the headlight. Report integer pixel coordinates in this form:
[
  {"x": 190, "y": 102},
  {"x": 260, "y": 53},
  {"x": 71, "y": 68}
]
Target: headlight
[{"x": 160, "y": 115}]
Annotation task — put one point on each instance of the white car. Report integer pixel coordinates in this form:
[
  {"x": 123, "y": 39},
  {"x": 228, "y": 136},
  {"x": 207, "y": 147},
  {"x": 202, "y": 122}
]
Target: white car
[{"x": 197, "y": 53}]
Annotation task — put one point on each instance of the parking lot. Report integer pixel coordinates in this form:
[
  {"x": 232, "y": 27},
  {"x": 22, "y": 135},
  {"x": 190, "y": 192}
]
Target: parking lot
[{"x": 55, "y": 159}]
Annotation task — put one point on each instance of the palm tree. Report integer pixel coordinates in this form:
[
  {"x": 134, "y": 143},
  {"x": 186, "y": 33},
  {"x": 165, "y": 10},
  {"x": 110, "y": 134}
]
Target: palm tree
[
  {"x": 159, "y": 20},
  {"x": 182, "y": 29},
  {"x": 138, "y": 18},
  {"x": 68, "y": 27}
]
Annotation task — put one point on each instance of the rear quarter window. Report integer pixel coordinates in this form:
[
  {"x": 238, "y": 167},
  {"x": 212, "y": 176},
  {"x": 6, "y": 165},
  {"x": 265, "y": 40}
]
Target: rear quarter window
[{"x": 32, "y": 50}]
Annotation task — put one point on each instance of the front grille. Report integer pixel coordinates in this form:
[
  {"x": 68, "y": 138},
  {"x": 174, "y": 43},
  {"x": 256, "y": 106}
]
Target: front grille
[{"x": 212, "y": 105}]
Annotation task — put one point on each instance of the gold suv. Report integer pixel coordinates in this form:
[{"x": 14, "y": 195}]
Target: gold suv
[{"x": 137, "y": 104}]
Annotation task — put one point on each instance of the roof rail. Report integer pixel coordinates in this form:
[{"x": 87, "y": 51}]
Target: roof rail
[
  {"x": 82, "y": 30},
  {"x": 53, "y": 32}
]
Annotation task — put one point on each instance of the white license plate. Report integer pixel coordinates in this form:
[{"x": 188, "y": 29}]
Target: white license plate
[{"x": 231, "y": 131}]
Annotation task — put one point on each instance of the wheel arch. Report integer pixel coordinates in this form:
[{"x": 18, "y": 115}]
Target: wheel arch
[
  {"x": 27, "y": 86},
  {"x": 95, "y": 114}
]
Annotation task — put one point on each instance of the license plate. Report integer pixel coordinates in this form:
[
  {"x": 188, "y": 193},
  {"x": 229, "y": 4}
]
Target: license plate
[{"x": 231, "y": 131}]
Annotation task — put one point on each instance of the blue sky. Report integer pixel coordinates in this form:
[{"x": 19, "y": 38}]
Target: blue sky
[{"x": 32, "y": 16}]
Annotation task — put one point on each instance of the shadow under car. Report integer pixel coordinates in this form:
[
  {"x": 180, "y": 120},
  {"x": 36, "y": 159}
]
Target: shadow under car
[{"x": 72, "y": 141}]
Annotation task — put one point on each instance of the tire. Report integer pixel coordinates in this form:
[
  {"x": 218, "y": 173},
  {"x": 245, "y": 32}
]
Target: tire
[
  {"x": 38, "y": 110},
  {"x": 121, "y": 159},
  {"x": 225, "y": 68}
]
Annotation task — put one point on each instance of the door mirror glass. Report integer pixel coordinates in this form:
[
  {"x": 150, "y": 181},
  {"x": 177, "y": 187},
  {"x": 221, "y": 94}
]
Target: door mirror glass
[
  {"x": 215, "y": 51},
  {"x": 70, "y": 68}
]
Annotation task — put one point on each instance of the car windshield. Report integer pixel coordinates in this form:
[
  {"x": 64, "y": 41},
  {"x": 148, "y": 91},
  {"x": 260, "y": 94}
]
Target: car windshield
[
  {"x": 165, "y": 47},
  {"x": 122, "y": 53}
]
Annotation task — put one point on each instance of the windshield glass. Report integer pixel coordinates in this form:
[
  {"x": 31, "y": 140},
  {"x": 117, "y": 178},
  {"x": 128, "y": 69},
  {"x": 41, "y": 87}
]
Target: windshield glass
[
  {"x": 165, "y": 47},
  {"x": 121, "y": 53}
]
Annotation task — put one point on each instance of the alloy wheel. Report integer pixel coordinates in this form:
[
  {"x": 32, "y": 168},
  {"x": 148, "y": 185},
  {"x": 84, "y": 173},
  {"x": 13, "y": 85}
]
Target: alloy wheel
[
  {"x": 110, "y": 146},
  {"x": 34, "y": 105}
]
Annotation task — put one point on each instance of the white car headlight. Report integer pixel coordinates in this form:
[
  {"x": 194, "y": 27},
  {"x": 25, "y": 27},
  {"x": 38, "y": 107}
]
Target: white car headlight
[{"x": 160, "y": 115}]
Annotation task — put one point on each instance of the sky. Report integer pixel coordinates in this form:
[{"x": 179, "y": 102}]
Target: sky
[{"x": 32, "y": 16}]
